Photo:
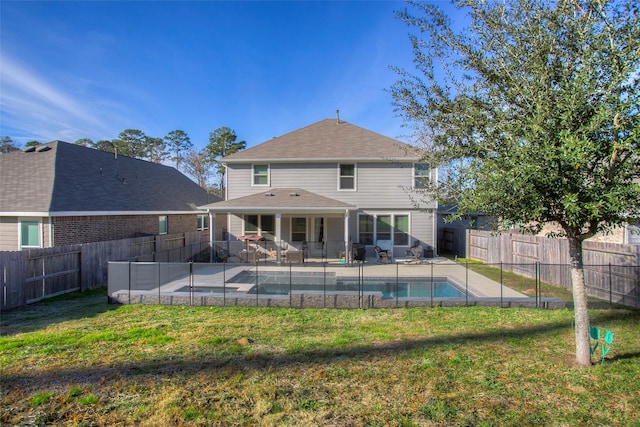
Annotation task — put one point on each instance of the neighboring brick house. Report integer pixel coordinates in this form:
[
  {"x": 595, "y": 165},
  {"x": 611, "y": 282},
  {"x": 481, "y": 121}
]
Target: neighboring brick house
[
  {"x": 60, "y": 193},
  {"x": 327, "y": 185}
]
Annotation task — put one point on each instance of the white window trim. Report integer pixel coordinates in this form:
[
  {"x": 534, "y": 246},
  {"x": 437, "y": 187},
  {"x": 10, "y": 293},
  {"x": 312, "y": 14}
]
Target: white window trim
[
  {"x": 166, "y": 221},
  {"x": 40, "y": 243},
  {"x": 205, "y": 219},
  {"x": 260, "y": 231},
  {"x": 413, "y": 174},
  {"x": 355, "y": 177},
  {"x": 253, "y": 175}
]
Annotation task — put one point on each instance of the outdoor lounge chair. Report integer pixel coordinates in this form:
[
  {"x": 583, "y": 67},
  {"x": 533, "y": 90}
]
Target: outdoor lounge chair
[
  {"x": 414, "y": 254},
  {"x": 382, "y": 255}
]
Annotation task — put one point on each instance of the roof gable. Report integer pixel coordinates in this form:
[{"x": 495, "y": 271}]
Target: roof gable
[
  {"x": 328, "y": 140},
  {"x": 71, "y": 178}
]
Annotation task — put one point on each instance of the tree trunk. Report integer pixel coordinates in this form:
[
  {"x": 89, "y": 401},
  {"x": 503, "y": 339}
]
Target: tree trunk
[{"x": 583, "y": 354}]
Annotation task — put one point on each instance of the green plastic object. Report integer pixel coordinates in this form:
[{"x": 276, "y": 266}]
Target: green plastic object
[{"x": 604, "y": 342}]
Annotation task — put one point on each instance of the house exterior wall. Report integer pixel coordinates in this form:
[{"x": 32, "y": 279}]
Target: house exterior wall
[
  {"x": 9, "y": 234},
  {"x": 85, "y": 229},
  {"x": 381, "y": 189},
  {"x": 378, "y": 185}
]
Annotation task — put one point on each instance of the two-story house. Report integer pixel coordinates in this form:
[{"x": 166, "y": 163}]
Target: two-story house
[
  {"x": 59, "y": 194},
  {"x": 326, "y": 186}
]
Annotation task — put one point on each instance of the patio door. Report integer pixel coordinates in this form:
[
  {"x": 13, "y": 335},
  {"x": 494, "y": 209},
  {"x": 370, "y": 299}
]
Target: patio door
[{"x": 316, "y": 236}]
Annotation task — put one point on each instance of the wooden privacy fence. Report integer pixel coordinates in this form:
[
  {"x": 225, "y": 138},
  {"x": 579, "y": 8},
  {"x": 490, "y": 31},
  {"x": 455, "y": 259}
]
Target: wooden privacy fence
[
  {"x": 612, "y": 271},
  {"x": 31, "y": 275}
]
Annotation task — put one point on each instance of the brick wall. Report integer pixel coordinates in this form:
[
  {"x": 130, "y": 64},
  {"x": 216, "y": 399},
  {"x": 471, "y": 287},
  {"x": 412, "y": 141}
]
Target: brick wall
[{"x": 86, "y": 229}]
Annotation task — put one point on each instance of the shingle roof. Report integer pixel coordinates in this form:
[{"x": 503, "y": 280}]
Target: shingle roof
[
  {"x": 277, "y": 199},
  {"x": 69, "y": 178},
  {"x": 327, "y": 140}
]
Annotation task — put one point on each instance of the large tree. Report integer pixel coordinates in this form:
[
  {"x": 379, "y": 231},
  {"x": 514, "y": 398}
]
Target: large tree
[
  {"x": 178, "y": 142},
  {"x": 7, "y": 145},
  {"x": 156, "y": 149},
  {"x": 197, "y": 164},
  {"x": 222, "y": 142},
  {"x": 132, "y": 143},
  {"x": 534, "y": 104}
]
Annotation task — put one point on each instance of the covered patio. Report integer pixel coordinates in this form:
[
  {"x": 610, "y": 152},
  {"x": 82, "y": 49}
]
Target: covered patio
[{"x": 283, "y": 225}]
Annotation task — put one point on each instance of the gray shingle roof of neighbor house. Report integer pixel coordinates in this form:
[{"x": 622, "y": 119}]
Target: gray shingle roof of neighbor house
[
  {"x": 274, "y": 200},
  {"x": 64, "y": 179},
  {"x": 327, "y": 140}
]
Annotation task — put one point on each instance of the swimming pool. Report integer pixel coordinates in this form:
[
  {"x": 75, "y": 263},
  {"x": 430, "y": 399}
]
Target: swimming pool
[{"x": 282, "y": 283}]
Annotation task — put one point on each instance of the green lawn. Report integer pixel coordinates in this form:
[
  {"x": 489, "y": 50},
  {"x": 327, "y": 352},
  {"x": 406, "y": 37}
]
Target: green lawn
[{"x": 77, "y": 361}]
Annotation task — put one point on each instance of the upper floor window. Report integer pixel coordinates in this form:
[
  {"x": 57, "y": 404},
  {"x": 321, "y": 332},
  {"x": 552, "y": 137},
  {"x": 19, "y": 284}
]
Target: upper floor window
[
  {"x": 203, "y": 222},
  {"x": 421, "y": 172},
  {"x": 347, "y": 178},
  {"x": 260, "y": 174},
  {"x": 162, "y": 224},
  {"x": 30, "y": 234}
]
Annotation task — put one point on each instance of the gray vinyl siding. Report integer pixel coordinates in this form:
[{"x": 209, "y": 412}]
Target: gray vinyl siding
[{"x": 378, "y": 185}]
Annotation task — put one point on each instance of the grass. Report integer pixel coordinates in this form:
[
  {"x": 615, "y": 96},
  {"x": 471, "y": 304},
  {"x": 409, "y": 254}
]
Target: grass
[{"x": 78, "y": 361}]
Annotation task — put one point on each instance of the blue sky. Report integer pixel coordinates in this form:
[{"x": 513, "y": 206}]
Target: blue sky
[{"x": 91, "y": 69}]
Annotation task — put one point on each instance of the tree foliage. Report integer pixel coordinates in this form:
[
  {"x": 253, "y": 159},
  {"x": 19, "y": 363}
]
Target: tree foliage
[
  {"x": 178, "y": 142},
  {"x": 222, "y": 142},
  {"x": 197, "y": 165},
  {"x": 535, "y": 107},
  {"x": 8, "y": 145}
]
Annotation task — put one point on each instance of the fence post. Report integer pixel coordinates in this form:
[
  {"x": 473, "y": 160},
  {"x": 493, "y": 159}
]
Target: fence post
[
  {"x": 431, "y": 264},
  {"x": 191, "y": 283},
  {"x": 466, "y": 283},
  {"x": 324, "y": 283},
  {"x": 397, "y": 283},
  {"x": 610, "y": 291},
  {"x": 129, "y": 293},
  {"x": 537, "y": 284},
  {"x": 257, "y": 281},
  {"x": 501, "y": 284}
]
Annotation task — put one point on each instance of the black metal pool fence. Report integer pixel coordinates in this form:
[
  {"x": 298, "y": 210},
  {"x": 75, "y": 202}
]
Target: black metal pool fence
[{"x": 360, "y": 285}]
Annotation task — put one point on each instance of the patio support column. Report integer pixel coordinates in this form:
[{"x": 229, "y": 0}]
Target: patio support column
[
  {"x": 278, "y": 236},
  {"x": 346, "y": 236},
  {"x": 212, "y": 233}
]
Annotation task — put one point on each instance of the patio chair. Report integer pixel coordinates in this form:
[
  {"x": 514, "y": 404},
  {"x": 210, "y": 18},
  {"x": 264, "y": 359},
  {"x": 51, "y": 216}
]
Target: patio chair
[
  {"x": 414, "y": 254},
  {"x": 382, "y": 256}
]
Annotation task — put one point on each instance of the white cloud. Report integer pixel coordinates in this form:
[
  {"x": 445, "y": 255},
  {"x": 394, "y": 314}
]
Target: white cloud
[{"x": 33, "y": 105}]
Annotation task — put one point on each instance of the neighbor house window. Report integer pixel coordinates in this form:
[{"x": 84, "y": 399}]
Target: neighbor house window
[
  {"x": 298, "y": 229},
  {"x": 263, "y": 225},
  {"x": 347, "y": 178},
  {"x": 260, "y": 174},
  {"x": 421, "y": 173},
  {"x": 30, "y": 234},
  {"x": 365, "y": 229},
  {"x": 203, "y": 222},
  {"x": 162, "y": 224}
]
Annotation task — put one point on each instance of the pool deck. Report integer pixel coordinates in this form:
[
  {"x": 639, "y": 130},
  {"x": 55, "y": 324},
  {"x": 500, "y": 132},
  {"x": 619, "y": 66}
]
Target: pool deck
[
  {"x": 481, "y": 290},
  {"x": 478, "y": 285}
]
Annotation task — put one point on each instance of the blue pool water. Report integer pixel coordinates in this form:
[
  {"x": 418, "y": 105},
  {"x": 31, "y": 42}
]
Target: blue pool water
[{"x": 281, "y": 283}]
